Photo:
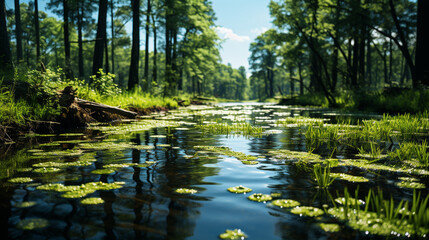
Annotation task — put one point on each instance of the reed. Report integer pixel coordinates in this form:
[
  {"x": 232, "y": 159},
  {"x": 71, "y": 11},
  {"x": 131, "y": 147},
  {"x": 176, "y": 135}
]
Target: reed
[{"x": 323, "y": 175}]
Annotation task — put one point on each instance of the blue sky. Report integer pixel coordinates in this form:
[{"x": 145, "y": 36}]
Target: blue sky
[{"x": 239, "y": 22}]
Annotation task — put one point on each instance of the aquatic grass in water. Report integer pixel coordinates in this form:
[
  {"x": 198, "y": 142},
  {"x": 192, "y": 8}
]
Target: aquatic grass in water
[
  {"x": 322, "y": 175},
  {"x": 20, "y": 180},
  {"x": 245, "y": 129},
  {"x": 227, "y": 152},
  {"x": 330, "y": 227},
  {"x": 186, "y": 191},
  {"x": 307, "y": 211},
  {"x": 260, "y": 197},
  {"x": 347, "y": 177},
  {"x": 285, "y": 203},
  {"x": 80, "y": 191},
  {"x": 239, "y": 189},
  {"x": 235, "y": 234},
  {"x": 92, "y": 201}
]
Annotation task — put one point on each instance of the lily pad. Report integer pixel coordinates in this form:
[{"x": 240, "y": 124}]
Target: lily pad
[
  {"x": 307, "y": 211},
  {"x": 235, "y": 234},
  {"x": 32, "y": 223},
  {"x": 186, "y": 191},
  {"x": 103, "y": 171},
  {"x": 249, "y": 162},
  {"x": 285, "y": 203},
  {"x": 46, "y": 170},
  {"x": 239, "y": 189},
  {"x": 330, "y": 227},
  {"x": 347, "y": 177},
  {"x": 260, "y": 197},
  {"x": 409, "y": 184},
  {"x": 92, "y": 201},
  {"x": 25, "y": 204},
  {"x": 20, "y": 180}
]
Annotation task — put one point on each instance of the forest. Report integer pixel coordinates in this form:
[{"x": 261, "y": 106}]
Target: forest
[{"x": 330, "y": 53}]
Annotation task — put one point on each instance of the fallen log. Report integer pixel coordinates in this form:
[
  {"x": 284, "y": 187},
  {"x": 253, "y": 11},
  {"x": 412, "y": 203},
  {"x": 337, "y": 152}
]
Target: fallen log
[{"x": 106, "y": 108}]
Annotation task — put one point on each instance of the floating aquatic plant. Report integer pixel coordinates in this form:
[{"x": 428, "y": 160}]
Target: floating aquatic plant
[
  {"x": 235, "y": 234},
  {"x": 32, "y": 223},
  {"x": 349, "y": 201},
  {"x": 243, "y": 128},
  {"x": 119, "y": 165},
  {"x": 142, "y": 147},
  {"x": 158, "y": 136},
  {"x": 186, "y": 191},
  {"x": 239, "y": 189},
  {"x": 260, "y": 197},
  {"x": 20, "y": 180},
  {"x": 410, "y": 184},
  {"x": 275, "y": 195},
  {"x": 350, "y": 178},
  {"x": 250, "y": 162},
  {"x": 92, "y": 201},
  {"x": 330, "y": 227},
  {"x": 60, "y": 153},
  {"x": 79, "y": 191},
  {"x": 307, "y": 211},
  {"x": 103, "y": 171},
  {"x": 227, "y": 152},
  {"x": 295, "y": 156},
  {"x": 285, "y": 203},
  {"x": 46, "y": 170},
  {"x": 25, "y": 204}
]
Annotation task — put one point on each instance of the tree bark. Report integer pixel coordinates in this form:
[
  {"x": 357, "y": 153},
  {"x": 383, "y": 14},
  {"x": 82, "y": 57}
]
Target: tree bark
[
  {"x": 146, "y": 56},
  {"x": 133, "y": 79},
  {"x": 112, "y": 44},
  {"x": 155, "y": 52},
  {"x": 106, "y": 108},
  {"x": 18, "y": 31},
  {"x": 80, "y": 40},
  {"x": 422, "y": 48},
  {"x": 5, "y": 53},
  {"x": 36, "y": 23},
  {"x": 100, "y": 38},
  {"x": 67, "y": 40}
]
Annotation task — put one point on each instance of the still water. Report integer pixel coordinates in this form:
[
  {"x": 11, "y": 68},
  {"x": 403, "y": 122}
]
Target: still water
[{"x": 147, "y": 206}]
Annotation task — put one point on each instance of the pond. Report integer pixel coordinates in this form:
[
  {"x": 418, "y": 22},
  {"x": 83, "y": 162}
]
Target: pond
[{"x": 189, "y": 174}]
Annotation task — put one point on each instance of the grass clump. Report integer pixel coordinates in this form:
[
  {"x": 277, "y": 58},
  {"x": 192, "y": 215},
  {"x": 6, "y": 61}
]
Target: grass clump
[{"x": 323, "y": 175}]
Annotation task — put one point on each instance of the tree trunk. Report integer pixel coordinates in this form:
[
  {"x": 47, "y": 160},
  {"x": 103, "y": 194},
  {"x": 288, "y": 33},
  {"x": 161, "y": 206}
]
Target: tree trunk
[
  {"x": 36, "y": 23},
  {"x": 146, "y": 56},
  {"x": 80, "y": 36},
  {"x": 18, "y": 31},
  {"x": 68, "y": 70},
  {"x": 301, "y": 80},
  {"x": 112, "y": 44},
  {"x": 133, "y": 79},
  {"x": 422, "y": 48},
  {"x": 155, "y": 52},
  {"x": 100, "y": 38},
  {"x": 106, "y": 58},
  {"x": 292, "y": 83},
  {"x": 5, "y": 54}
]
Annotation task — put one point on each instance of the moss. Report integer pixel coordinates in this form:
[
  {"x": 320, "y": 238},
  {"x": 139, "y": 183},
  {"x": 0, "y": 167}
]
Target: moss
[
  {"x": 227, "y": 152},
  {"x": 32, "y": 223},
  {"x": 59, "y": 153},
  {"x": 260, "y": 197},
  {"x": 186, "y": 191},
  {"x": 307, "y": 211},
  {"x": 235, "y": 234},
  {"x": 92, "y": 201},
  {"x": 330, "y": 227},
  {"x": 80, "y": 163},
  {"x": 103, "y": 171},
  {"x": 348, "y": 177},
  {"x": 239, "y": 189},
  {"x": 74, "y": 191},
  {"x": 20, "y": 180},
  {"x": 285, "y": 203}
]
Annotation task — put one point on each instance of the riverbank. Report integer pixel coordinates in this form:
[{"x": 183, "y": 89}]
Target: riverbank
[{"x": 392, "y": 100}]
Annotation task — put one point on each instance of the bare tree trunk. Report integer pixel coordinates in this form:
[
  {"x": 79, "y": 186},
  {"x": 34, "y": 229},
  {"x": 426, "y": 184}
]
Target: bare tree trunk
[
  {"x": 133, "y": 79},
  {"x": 155, "y": 51},
  {"x": 80, "y": 36},
  {"x": 36, "y": 23},
  {"x": 146, "y": 56},
  {"x": 422, "y": 48},
  {"x": 18, "y": 31},
  {"x": 5, "y": 53},
  {"x": 100, "y": 38},
  {"x": 113, "y": 36}
]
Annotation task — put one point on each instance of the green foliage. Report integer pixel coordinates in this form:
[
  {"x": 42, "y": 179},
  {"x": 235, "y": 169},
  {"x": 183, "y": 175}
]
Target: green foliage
[
  {"x": 323, "y": 175},
  {"x": 103, "y": 84}
]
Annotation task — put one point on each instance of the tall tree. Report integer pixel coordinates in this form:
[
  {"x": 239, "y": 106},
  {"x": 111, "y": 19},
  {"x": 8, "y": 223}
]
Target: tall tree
[
  {"x": 18, "y": 31},
  {"x": 80, "y": 37},
  {"x": 112, "y": 46},
  {"x": 36, "y": 23},
  {"x": 5, "y": 53},
  {"x": 133, "y": 79},
  {"x": 100, "y": 38},
  {"x": 146, "y": 57},
  {"x": 422, "y": 47},
  {"x": 67, "y": 66}
]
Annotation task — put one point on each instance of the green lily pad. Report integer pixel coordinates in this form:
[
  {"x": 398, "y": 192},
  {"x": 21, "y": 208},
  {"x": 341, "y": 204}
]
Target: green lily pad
[
  {"x": 235, "y": 234},
  {"x": 186, "y": 191},
  {"x": 46, "y": 170},
  {"x": 25, "y": 204},
  {"x": 285, "y": 203},
  {"x": 103, "y": 171},
  {"x": 330, "y": 227},
  {"x": 92, "y": 201},
  {"x": 409, "y": 184},
  {"x": 249, "y": 162},
  {"x": 239, "y": 189},
  {"x": 32, "y": 223},
  {"x": 260, "y": 197},
  {"x": 20, "y": 180},
  {"x": 307, "y": 211},
  {"x": 348, "y": 177}
]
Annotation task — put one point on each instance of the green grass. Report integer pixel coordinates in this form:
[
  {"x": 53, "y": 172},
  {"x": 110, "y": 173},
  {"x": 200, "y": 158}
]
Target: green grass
[{"x": 323, "y": 175}]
